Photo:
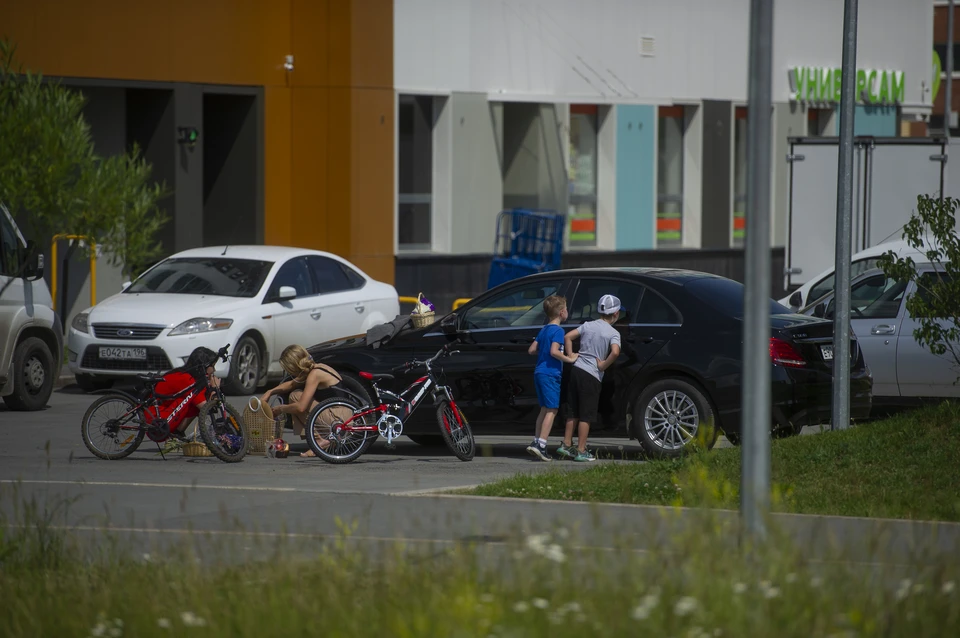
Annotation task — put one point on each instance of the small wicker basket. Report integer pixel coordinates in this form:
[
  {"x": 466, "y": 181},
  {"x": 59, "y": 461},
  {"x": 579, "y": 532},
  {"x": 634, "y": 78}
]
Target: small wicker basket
[
  {"x": 196, "y": 447},
  {"x": 261, "y": 425},
  {"x": 422, "y": 316}
]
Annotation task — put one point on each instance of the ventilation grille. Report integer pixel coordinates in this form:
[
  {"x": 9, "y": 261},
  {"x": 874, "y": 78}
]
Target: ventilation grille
[{"x": 648, "y": 46}]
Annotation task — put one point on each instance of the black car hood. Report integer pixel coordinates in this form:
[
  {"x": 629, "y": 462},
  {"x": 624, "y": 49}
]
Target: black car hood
[{"x": 346, "y": 342}]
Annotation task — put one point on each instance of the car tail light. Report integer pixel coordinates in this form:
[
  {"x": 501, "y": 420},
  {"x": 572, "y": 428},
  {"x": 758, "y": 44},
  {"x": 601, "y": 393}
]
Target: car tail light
[{"x": 784, "y": 354}]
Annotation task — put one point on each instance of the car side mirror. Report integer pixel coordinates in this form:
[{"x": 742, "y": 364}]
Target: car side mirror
[
  {"x": 796, "y": 299},
  {"x": 32, "y": 262},
  {"x": 287, "y": 292},
  {"x": 449, "y": 324},
  {"x": 125, "y": 285}
]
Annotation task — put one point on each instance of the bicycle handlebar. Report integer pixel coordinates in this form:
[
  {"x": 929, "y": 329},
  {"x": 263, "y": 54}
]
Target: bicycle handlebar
[{"x": 445, "y": 351}]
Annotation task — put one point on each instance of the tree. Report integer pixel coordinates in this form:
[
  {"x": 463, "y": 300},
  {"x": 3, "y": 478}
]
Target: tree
[
  {"x": 50, "y": 174},
  {"x": 936, "y": 306}
]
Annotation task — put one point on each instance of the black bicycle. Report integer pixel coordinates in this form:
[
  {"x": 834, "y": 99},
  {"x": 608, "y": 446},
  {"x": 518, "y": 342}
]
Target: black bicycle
[{"x": 116, "y": 423}]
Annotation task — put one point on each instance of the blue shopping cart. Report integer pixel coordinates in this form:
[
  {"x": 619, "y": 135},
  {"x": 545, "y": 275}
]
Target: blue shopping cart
[{"x": 527, "y": 241}]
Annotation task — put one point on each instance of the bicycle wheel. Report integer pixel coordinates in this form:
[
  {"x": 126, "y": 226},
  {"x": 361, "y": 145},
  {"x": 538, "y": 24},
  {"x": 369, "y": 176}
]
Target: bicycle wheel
[
  {"x": 338, "y": 446},
  {"x": 112, "y": 427},
  {"x": 223, "y": 431},
  {"x": 456, "y": 431}
]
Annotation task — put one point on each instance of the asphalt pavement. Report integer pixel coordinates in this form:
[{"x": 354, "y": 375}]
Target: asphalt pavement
[{"x": 386, "y": 496}]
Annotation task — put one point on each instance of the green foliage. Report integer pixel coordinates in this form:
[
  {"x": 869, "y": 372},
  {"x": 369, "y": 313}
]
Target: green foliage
[
  {"x": 50, "y": 174},
  {"x": 932, "y": 231}
]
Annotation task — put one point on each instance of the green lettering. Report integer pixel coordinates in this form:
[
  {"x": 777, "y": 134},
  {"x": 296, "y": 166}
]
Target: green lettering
[
  {"x": 861, "y": 83},
  {"x": 811, "y": 85},
  {"x": 837, "y": 84},
  {"x": 896, "y": 91},
  {"x": 871, "y": 82},
  {"x": 884, "y": 95},
  {"x": 826, "y": 82},
  {"x": 798, "y": 75}
]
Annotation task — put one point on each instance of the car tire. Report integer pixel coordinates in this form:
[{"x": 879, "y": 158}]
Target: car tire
[
  {"x": 33, "y": 376},
  {"x": 667, "y": 416},
  {"x": 93, "y": 383},
  {"x": 245, "y": 365}
]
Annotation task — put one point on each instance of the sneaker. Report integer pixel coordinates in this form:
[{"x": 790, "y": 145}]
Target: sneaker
[
  {"x": 584, "y": 456},
  {"x": 540, "y": 451},
  {"x": 566, "y": 452}
]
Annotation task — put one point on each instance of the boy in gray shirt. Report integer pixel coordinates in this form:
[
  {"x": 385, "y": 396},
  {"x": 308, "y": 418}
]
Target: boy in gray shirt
[{"x": 599, "y": 348}]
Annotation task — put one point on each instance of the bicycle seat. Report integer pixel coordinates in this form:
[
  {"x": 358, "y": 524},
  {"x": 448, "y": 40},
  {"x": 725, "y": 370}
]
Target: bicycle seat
[
  {"x": 376, "y": 377},
  {"x": 149, "y": 377}
]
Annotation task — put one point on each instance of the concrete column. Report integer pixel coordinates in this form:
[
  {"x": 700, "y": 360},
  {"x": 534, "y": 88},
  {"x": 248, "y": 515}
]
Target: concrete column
[
  {"x": 607, "y": 178},
  {"x": 692, "y": 176},
  {"x": 789, "y": 120},
  {"x": 444, "y": 133},
  {"x": 715, "y": 172},
  {"x": 188, "y": 179}
]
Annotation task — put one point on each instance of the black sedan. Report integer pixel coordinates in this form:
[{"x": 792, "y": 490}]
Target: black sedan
[{"x": 679, "y": 368}]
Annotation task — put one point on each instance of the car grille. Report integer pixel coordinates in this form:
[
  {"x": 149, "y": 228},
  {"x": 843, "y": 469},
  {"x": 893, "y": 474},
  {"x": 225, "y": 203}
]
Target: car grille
[
  {"x": 156, "y": 360},
  {"x": 133, "y": 331}
]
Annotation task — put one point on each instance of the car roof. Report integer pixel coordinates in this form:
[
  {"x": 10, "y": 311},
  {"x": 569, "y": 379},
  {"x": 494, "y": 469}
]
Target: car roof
[
  {"x": 678, "y": 276},
  {"x": 268, "y": 253}
]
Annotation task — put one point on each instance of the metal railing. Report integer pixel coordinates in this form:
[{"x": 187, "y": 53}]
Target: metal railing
[{"x": 93, "y": 266}]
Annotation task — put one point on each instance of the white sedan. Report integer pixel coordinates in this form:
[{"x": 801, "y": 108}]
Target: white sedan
[{"x": 259, "y": 299}]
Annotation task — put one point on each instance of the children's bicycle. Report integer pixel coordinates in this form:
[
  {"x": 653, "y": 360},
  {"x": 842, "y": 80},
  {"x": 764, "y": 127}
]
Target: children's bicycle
[
  {"x": 340, "y": 430},
  {"x": 115, "y": 424}
]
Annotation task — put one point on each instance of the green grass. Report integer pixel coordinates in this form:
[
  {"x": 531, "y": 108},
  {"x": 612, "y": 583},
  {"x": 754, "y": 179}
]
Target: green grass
[
  {"x": 540, "y": 585},
  {"x": 902, "y": 467}
]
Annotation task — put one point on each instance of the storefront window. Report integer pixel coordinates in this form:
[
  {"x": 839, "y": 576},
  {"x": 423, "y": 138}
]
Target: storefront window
[
  {"x": 415, "y": 167},
  {"x": 670, "y": 177},
  {"x": 739, "y": 175},
  {"x": 583, "y": 175}
]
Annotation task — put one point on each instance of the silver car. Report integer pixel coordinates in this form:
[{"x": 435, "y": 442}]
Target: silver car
[{"x": 902, "y": 369}]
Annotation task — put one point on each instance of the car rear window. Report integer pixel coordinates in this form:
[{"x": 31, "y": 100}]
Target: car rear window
[{"x": 726, "y": 296}]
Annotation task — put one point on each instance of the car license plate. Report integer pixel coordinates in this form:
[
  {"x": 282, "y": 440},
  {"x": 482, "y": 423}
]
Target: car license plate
[
  {"x": 827, "y": 352},
  {"x": 123, "y": 353}
]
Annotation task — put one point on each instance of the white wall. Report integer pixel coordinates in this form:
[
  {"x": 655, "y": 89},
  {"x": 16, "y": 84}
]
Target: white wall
[{"x": 575, "y": 50}]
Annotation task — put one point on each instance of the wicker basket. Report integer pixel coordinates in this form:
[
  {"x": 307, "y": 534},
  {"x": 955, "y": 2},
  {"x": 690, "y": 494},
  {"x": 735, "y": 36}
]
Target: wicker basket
[
  {"x": 422, "y": 316},
  {"x": 196, "y": 447},
  {"x": 261, "y": 425}
]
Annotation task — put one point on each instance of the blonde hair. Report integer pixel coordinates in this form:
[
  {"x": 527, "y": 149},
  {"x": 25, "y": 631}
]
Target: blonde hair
[{"x": 297, "y": 362}]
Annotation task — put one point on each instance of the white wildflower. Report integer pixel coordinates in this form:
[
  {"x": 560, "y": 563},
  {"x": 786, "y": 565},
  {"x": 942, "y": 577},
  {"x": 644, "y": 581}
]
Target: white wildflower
[
  {"x": 791, "y": 577},
  {"x": 146, "y": 557},
  {"x": 520, "y": 607},
  {"x": 540, "y": 603},
  {"x": 581, "y": 618},
  {"x": 685, "y": 606},
  {"x": 555, "y": 553},
  {"x": 918, "y": 588},
  {"x": 190, "y": 619},
  {"x": 771, "y": 592},
  {"x": 99, "y": 630},
  {"x": 571, "y": 607},
  {"x": 739, "y": 588},
  {"x": 163, "y": 623},
  {"x": 948, "y": 587},
  {"x": 486, "y": 598},
  {"x": 563, "y": 532},
  {"x": 816, "y": 581},
  {"x": 904, "y": 590},
  {"x": 640, "y": 613},
  {"x": 537, "y": 542}
]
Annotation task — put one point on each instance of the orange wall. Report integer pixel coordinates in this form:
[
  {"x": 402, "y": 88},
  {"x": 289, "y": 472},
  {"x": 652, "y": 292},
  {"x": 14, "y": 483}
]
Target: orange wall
[{"x": 328, "y": 124}]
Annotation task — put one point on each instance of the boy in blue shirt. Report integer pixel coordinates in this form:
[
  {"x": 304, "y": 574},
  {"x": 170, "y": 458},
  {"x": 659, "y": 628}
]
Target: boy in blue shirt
[{"x": 548, "y": 346}]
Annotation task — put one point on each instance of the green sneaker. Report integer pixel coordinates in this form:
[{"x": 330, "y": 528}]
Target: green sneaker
[
  {"x": 584, "y": 456},
  {"x": 565, "y": 452}
]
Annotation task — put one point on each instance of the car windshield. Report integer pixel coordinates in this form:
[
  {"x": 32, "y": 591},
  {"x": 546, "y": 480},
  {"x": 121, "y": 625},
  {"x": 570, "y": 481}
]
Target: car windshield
[
  {"x": 726, "y": 296},
  {"x": 223, "y": 277}
]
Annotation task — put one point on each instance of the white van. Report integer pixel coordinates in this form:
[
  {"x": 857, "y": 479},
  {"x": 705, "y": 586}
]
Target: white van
[
  {"x": 31, "y": 335},
  {"x": 860, "y": 263}
]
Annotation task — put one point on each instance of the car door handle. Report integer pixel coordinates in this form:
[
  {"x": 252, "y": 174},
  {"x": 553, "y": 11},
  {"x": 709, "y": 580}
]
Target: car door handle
[
  {"x": 883, "y": 329},
  {"x": 315, "y": 314},
  {"x": 359, "y": 307}
]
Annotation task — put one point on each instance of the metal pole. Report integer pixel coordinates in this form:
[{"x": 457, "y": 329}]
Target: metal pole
[
  {"x": 948, "y": 95},
  {"x": 841, "y": 319},
  {"x": 755, "y": 476}
]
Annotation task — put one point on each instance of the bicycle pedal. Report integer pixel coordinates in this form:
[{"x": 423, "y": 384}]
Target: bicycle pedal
[{"x": 391, "y": 446}]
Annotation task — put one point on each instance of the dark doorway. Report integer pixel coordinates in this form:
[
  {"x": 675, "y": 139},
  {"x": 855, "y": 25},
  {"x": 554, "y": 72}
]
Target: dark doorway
[
  {"x": 229, "y": 169},
  {"x": 150, "y": 125}
]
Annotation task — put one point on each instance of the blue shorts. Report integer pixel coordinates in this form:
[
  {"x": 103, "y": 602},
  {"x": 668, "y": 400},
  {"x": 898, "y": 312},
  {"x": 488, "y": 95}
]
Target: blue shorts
[{"x": 548, "y": 390}]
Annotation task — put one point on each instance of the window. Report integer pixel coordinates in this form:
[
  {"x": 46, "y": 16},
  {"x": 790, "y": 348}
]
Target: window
[
  {"x": 295, "y": 274},
  {"x": 356, "y": 279},
  {"x": 9, "y": 247},
  {"x": 584, "y": 124},
  {"x": 670, "y": 177},
  {"x": 584, "y": 304},
  {"x": 930, "y": 283},
  {"x": 739, "y": 174},
  {"x": 726, "y": 296},
  {"x": 885, "y": 306},
  {"x": 415, "y": 167},
  {"x": 331, "y": 275},
  {"x": 217, "y": 276},
  {"x": 825, "y": 285},
  {"x": 513, "y": 308},
  {"x": 654, "y": 309}
]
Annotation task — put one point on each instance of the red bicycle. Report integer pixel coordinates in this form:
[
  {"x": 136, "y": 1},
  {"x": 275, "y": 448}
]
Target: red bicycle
[{"x": 340, "y": 431}]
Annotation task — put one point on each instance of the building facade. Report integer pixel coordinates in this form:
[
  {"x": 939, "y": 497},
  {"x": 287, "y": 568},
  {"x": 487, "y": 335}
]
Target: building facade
[{"x": 630, "y": 116}]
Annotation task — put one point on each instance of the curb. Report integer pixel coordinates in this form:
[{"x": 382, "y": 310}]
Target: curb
[{"x": 64, "y": 380}]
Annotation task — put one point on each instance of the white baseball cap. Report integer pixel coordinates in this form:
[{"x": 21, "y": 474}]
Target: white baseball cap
[{"x": 608, "y": 305}]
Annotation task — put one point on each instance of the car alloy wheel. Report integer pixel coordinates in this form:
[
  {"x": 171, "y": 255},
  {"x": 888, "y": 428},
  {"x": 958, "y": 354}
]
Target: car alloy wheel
[
  {"x": 248, "y": 365},
  {"x": 671, "y": 419}
]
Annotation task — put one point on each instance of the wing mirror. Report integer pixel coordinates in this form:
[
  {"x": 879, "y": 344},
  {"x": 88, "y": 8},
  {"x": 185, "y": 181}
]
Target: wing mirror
[
  {"x": 287, "y": 292},
  {"x": 819, "y": 310},
  {"x": 32, "y": 262},
  {"x": 796, "y": 299},
  {"x": 449, "y": 324}
]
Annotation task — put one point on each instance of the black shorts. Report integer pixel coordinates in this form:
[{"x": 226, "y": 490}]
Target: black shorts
[{"x": 583, "y": 396}]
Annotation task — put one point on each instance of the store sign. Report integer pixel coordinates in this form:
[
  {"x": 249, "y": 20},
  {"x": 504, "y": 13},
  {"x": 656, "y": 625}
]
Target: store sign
[{"x": 822, "y": 84}]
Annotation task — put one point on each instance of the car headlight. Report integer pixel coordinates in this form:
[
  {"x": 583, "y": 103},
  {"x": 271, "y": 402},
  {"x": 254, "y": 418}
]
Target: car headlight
[
  {"x": 201, "y": 324},
  {"x": 79, "y": 322}
]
